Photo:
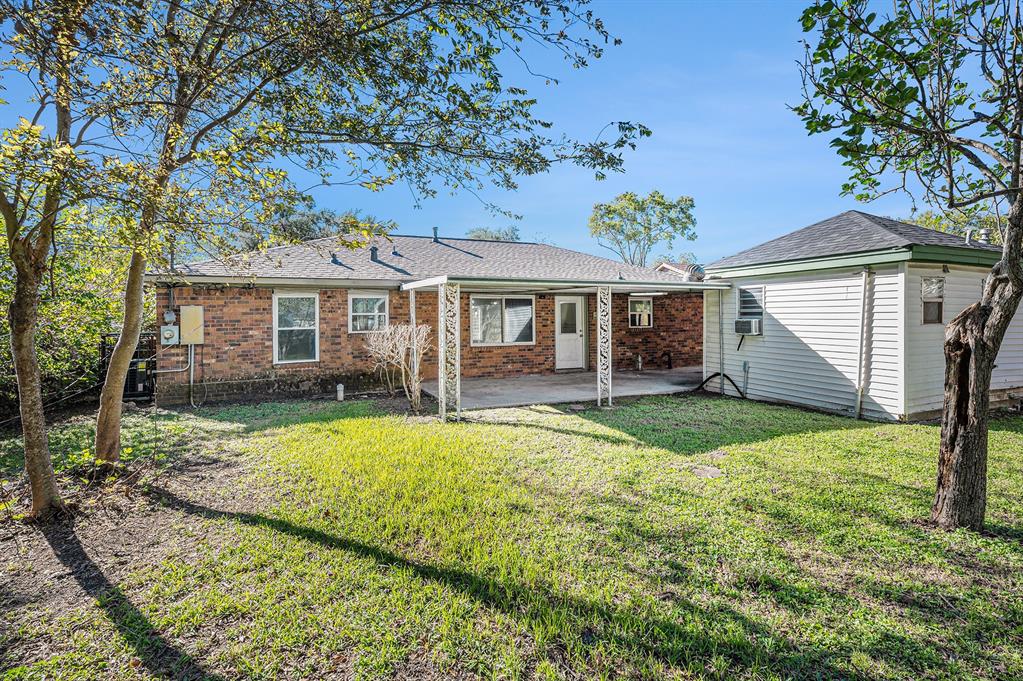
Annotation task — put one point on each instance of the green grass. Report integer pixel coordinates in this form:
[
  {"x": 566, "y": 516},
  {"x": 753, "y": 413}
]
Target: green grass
[{"x": 533, "y": 543}]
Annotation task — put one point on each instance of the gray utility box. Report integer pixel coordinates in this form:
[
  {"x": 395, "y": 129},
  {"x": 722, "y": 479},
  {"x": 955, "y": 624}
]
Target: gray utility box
[{"x": 169, "y": 334}]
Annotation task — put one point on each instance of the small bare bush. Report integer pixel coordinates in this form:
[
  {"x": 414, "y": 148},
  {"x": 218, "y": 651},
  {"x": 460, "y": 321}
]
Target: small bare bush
[
  {"x": 384, "y": 349},
  {"x": 397, "y": 353}
]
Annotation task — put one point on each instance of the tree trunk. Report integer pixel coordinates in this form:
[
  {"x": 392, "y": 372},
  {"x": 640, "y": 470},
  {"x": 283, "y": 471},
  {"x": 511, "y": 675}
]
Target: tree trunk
[
  {"x": 961, "y": 496},
  {"x": 24, "y": 313},
  {"x": 972, "y": 341},
  {"x": 108, "y": 421}
]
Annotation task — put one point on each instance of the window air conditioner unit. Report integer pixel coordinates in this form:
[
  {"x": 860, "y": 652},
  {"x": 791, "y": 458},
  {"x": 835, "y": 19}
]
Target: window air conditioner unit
[{"x": 748, "y": 327}]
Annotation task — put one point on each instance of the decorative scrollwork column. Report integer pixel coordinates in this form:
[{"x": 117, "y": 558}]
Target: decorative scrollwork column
[
  {"x": 603, "y": 345},
  {"x": 412, "y": 323},
  {"x": 449, "y": 343}
]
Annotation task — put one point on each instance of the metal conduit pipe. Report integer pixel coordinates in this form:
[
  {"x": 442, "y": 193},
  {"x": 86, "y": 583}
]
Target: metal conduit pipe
[
  {"x": 191, "y": 375},
  {"x": 176, "y": 370}
]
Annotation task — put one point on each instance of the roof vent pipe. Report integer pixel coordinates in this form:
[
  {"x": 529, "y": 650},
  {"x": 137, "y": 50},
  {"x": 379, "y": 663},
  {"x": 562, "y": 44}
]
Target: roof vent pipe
[
  {"x": 984, "y": 236},
  {"x": 436, "y": 239},
  {"x": 373, "y": 254},
  {"x": 394, "y": 249},
  {"x": 969, "y": 233}
]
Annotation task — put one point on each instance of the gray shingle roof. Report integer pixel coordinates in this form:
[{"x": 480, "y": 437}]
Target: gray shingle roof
[
  {"x": 850, "y": 232},
  {"x": 410, "y": 258}
]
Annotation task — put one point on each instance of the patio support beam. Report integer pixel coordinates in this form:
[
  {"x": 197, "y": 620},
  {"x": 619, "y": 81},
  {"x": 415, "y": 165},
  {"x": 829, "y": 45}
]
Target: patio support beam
[
  {"x": 604, "y": 345},
  {"x": 449, "y": 342},
  {"x": 412, "y": 323}
]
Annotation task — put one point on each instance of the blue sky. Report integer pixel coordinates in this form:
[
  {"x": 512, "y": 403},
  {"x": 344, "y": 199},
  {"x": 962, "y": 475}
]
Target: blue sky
[{"x": 712, "y": 79}]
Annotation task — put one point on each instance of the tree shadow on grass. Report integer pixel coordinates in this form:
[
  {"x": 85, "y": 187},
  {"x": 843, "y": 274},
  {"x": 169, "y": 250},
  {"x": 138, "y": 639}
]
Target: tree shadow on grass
[
  {"x": 262, "y": 416},
  {"x": 160, "y": 657},
  {"x": 679, "y": 424},
  {"x": 665, "y": 640}
]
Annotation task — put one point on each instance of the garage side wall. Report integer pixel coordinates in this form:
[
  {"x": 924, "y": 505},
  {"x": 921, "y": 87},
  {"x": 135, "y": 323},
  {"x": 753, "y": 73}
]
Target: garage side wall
[
  {"x": 809, "y": 350},
  {"x": 925, "y": 353}
]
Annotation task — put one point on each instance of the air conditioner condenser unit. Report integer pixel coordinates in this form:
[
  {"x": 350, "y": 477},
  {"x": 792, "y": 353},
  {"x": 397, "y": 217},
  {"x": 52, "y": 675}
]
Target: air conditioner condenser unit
[{"x": 748, "y": 327}]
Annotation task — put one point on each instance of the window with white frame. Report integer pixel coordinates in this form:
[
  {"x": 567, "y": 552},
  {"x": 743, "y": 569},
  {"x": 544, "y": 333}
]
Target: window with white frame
[
  {"x": 501, "y": 320},
  {"x": 932, "y": 298},
  {"x": 641, "y": 313},
  {"x": 751, "y": 302},
  {"x": 367, "y": 311},
  {"x": 296, "y": 327}
]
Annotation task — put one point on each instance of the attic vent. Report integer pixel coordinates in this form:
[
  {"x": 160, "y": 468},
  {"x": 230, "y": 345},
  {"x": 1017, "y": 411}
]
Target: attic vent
[
  {"x": 984, "y": 236},
  {"x": 693, "y": 272},
  {"x": 435, "y": 237},
  {"x": 373, "y": 255}
]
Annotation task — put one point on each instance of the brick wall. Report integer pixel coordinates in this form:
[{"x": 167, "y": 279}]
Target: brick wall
[
  {"x": 677, "y": 329},
  {"x": 237, "y": 357}
]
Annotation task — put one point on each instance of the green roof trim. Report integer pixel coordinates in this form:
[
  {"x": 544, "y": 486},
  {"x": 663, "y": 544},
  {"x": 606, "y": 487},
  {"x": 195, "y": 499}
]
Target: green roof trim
[
  {"x": 946, "y": 255},
  {"x": 955, "y": 256},
  {"x": 833, "y": 262}
]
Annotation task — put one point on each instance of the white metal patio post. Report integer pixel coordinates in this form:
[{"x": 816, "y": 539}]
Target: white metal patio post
[
  {"x": 603, "y": 345},
  {"x": 412, "y": 322},
  {"x": 449, "y": 342}
]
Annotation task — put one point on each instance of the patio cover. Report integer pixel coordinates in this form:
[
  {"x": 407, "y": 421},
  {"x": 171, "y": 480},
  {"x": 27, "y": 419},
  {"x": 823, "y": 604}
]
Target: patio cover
[{"x": 450, "y": 288}]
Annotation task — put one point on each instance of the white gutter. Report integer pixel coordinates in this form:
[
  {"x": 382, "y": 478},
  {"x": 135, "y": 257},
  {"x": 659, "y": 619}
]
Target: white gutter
[
  {"x": 861, "y": 354},
  {"x": 721, "y": 343},
  {"x": 614, "y": 283},
  {"x": 182, "y": 280}
]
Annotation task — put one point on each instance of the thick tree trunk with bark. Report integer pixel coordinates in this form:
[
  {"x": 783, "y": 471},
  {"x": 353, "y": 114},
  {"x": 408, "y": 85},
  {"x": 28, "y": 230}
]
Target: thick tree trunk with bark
[
  {"x": 961, "y": 496},
  {"x": 24, "y": 313},
  {"x": 108, "y": 421},
  {"x": 972, "y": 341}
]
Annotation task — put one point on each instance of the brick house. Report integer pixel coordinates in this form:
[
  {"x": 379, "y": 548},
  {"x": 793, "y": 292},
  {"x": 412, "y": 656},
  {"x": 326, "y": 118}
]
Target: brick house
[{"x": 294, "y": 320}]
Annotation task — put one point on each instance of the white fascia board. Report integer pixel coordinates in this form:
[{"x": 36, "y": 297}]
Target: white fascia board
[{"x": 424, "y": 283}]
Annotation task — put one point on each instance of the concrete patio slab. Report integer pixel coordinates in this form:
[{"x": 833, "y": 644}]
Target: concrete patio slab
[{"x": 581, "y": 386}]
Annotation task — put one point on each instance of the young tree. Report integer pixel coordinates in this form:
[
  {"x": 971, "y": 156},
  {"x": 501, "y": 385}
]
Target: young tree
[
  {"x": 495, "y": 233},
  {"x": 43, "y": 172},
  {"x": 216, "y": 95},
  {"x": 632, "y": 226},
  {"x": 930, "y": 94}
]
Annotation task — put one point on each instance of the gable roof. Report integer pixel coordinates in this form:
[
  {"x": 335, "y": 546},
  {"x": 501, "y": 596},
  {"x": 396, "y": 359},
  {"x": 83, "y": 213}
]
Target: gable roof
[
  {"x": 414, "y": 258},
  {"x": 850, "y": 232}
]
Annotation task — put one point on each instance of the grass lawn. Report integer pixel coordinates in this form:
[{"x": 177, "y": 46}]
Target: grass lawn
[{"x": 539, "y": 543}]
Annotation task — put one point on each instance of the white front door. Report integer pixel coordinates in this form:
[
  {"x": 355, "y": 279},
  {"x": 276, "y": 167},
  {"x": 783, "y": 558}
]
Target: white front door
[{"x": 569, "y": 332}]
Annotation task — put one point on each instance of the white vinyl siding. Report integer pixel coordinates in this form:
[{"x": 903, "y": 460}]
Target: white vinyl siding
[
  {"x": 925, "y": 370},
  {"x": 808, "y": 354}
]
